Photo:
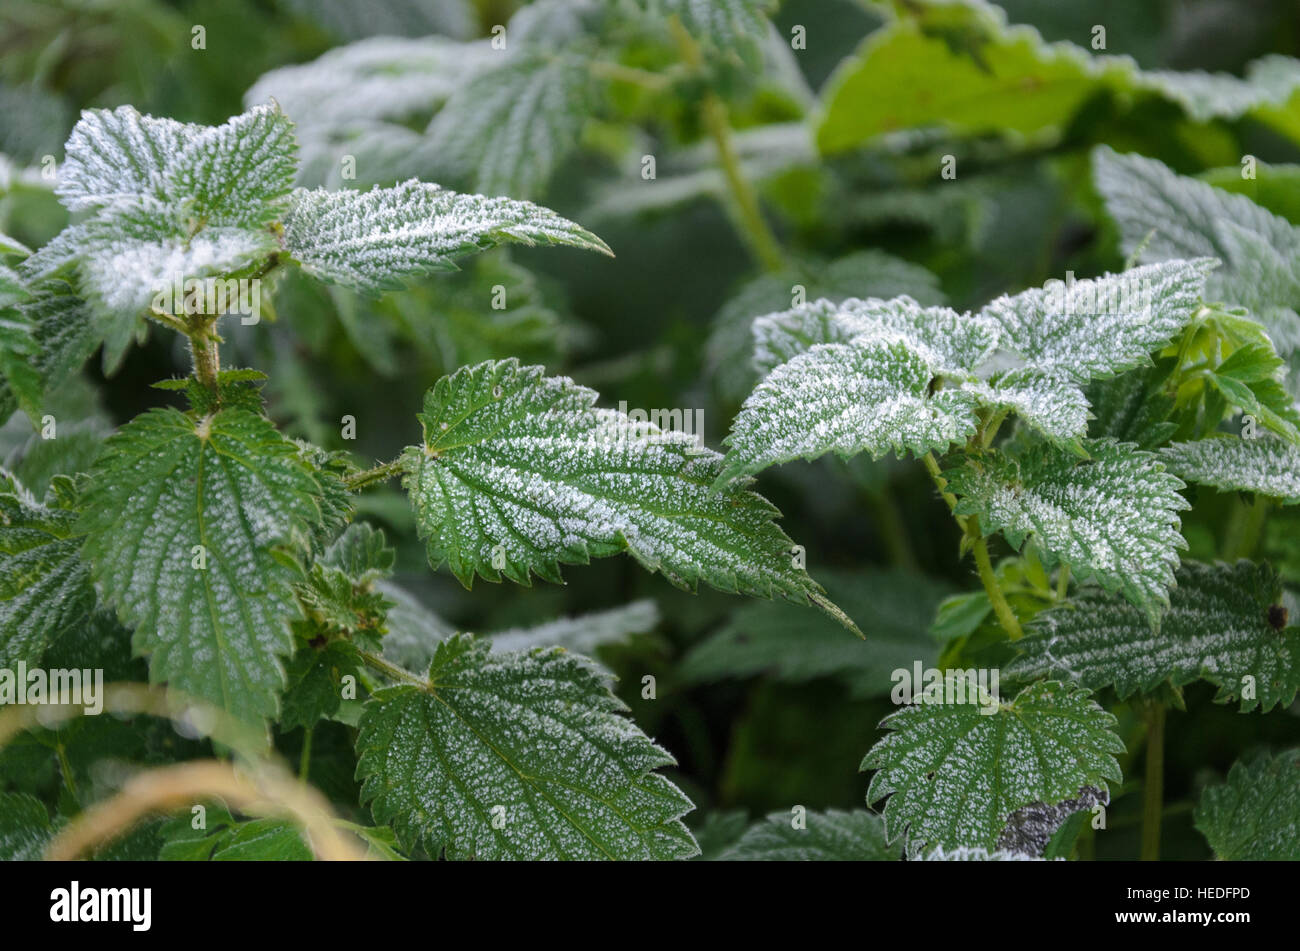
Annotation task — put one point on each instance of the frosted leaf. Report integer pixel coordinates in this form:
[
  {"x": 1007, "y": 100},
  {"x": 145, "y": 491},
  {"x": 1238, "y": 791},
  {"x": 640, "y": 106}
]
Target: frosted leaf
[
  {"x": 964, "y": 854},
  {"x": 389, "y": 18},
  {"x": 45, "y": 586},
  {"x": 25, "y": 827},
  {"x": 949, "y": 342},
  {"x": 239, "y": 173},
  {"x": 230, "y": 483},
  {"x": 519, "y": 755},
  {"x": 830, "y": 836},
  {"x": 872, "y": 395},
  {"x": 867, "y": 273},
  {"x": 894, "y": 610},
  {"x": 1103, "y": 326},
  {"x": 583, "y": 633},
  {"x": 1224, "y": 622},
  {"x": 1255, "y": 815},
  {"x": 1054, "y": 407},
  {"x": 507, "y": 129},
  {"x": 1113, "y": 517},
  {"x": 520, "y": 473},
  {"x": 1264, "y": 279},
  {"x": 955, "y": 776},
  {"x": 1228, "y": 463},
  {"x": 377, "y": 239},
  {"x": 730, "y": 26},
  {"x": 120, "y": 155}
]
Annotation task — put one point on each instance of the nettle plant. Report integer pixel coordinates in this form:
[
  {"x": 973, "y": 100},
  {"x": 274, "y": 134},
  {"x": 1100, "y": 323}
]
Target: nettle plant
[
  {"x": 226, "y": 555},
  {"x": 1121, "y": 387}
]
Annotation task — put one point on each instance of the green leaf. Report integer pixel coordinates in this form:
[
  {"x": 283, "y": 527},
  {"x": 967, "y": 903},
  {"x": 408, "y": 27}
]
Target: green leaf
[
  {"x": 584, "y": 633},
  {"x": 520, "y": 473},
  {"x": 872, "y": 395},
  {"x": 373, "y": 241},
  {"x": 894, "y": 610},
  {"x": 731, "y": 27},
  {"x": 1103, "y": 326},
  {"x": 831, "y": 836},
  {"x": 955, "y": 777},
  {"x": 1255, "y": 815},
  {"x": 45, "y": 586},
  {"x": 120, "y": 154},
  {"x": 516, "y": 755},
  {"x": 230, "y": 483},
  {"x": 315, "y": 682},
  {"x": 1112, "y": 517},
  {"x": 507, "y": 129},
  {"x": 226, "y": 839},
  {"x": 1054, "y": 407},
  {"x": 24, "y": 828},
  {"x": 1225, "y": 623},
  {"x": 1228, "y": 463}
]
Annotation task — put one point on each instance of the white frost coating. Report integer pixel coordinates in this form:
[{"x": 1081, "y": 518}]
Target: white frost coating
[
  {"x": 1217, "y": 628},
  {"x": 1113, "y": 517},
  {"x": 964, "y": 854},
  {"x": 1100, "y": 327},
  {"x": 157, "y": 491},
  {"x": 1056, "y": 408},
  {"x": 954, "y": 776},
  {"x": 1270, "y": 81},
  {"x": 830, "y": 836},
  {"x": 376, "y": 239},
  {"x": 585, "y": 632},
  {"x": 518, "y": 755},
  {"x": 1264, "y": 465},
  {"x": 519, "y": 473},
  {"x": 871, "y": 395},
  {"x": 950, "y": 342}
]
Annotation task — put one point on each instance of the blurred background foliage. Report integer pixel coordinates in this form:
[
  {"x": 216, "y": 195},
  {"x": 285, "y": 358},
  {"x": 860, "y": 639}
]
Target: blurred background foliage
[{"x": 765, "y": 706}]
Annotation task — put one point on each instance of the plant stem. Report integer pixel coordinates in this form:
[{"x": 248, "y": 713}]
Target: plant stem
[
  {"x": 941, "y": 484},
  {"x": 207, "y": 358},
  {"x": 604, "y": 69},
  {"x": 379, "y": 473},
  {"x": 893, "y": 531},
  {"x": 391, "y": 671},
  {"x": 1063, "y": 582},
  {"x": 1006, "y": 617},
  {"x": 753, "y": 228},
  {"x": 1153, "y": 791}
]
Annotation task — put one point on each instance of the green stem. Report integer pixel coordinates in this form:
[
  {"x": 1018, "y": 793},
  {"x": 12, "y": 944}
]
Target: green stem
[
  {"x": 379, "y": 473},
  {"x": 207, "y": 358},
  {"x": 304, "y": 763},
  {"x": 603, "y": 69},
  {"x": 391, "y": 671},
  {"x": 941, "y": 484},
  {"x": 65, "y": 767},
  {"x": 1063, "y": 582},
  {"x": 1153, "y": 791},
  {"x": 892, "y": 529},
  {"x": 753, "y": 227},
  {"x": 1006, "y": 616}
]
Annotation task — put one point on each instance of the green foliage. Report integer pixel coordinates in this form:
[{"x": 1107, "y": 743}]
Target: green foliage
[
  {"x": 833, "y": 836},
  {"x": 516, "y": 755},
  {"x": 1253, "y": 816}
]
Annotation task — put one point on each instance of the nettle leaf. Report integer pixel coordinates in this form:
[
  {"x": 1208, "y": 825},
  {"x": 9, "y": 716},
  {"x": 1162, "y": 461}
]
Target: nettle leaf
[
  {"x": 1101, "y": 327},
  {"x": 373, "y": 241},
  {"x": 831, "y": 836},
  {"x": 1228, "y": 463},
  {"x": 227, "y": 839},
  {"x": 189, "y": 524},
  {"x": 25, "y": 827},
  {"x": 872, "y": 395},
  {"x": 45, "y": 586},
  {"x": 735, "y": 27},
  {"x": 1225, "y": 623},
  {"x": 1166, "y": 216},
  {"x": 955, "y": 776},
  {"x": 521, "y": 755},
  {"x": 507, "y": 129},
  {"x": 1054, "y": 407},
  {"x": 1255, "y": 815},
  {"x": 584, "y": 633},
  {"x": 950, "y": 342},
  {"x": 119, "y": 154},
  {"x": 1113, "y": 516},
  {"x": 520, "y": 473}
]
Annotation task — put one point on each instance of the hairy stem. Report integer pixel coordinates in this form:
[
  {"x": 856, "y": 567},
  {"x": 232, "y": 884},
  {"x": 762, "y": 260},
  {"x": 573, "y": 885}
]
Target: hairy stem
[
  {"x": 379, "y": 473},
  {"x": 392, "y": 671},
  {"x": 1153, "y": 791},
  {"x": 207, "y": 358},
  {"x": 752, "y": 226},
  {"x": 1006, "y": 616}
]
